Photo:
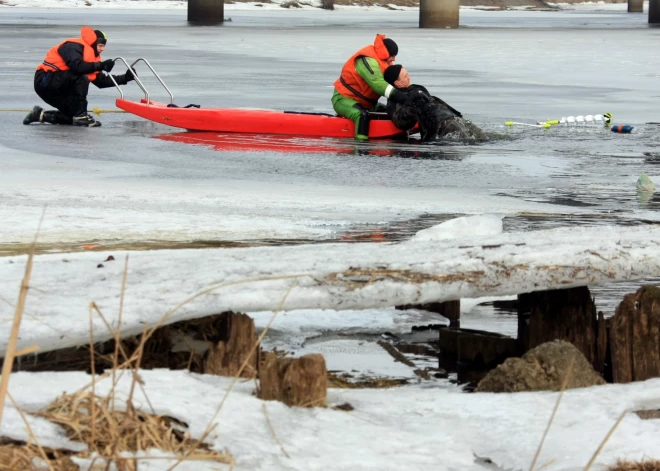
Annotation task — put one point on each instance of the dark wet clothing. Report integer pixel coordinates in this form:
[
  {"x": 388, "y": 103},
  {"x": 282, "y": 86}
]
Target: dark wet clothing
[
  {"x": 435, "y": 117},
  {"x": 67, "y": 90}
]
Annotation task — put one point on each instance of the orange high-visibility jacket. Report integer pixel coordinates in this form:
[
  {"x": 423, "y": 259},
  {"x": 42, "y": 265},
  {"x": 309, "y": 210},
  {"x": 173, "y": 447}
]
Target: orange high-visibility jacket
[
  {"x": 351, "y": 85},
  {"x": 54, "y": 62}
]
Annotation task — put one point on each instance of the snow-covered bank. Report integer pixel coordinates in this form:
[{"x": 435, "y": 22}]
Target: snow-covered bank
[
  {"x": 331, "y": 276},
  {"x": 412, "y": 427}
]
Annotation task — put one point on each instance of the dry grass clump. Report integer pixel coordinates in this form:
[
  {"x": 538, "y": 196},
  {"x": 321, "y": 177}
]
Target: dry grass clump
[
  {"x": 108, "y": 432},
  {"x": 645, "y": 465},
  {"x": 20, "y": 456},
  {"x": 17, "y": 457}
]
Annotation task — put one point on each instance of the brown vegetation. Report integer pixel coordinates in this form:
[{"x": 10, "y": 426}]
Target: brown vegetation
[
  {"x": 646, "y": 465},
  {"x": 107, "y": 428}
]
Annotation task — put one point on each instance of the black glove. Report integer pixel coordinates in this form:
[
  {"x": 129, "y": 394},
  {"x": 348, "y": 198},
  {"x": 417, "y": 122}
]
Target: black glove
[
  {"x": 130, "y": 75},
  {"x": 107, "y": 65},
  {"x": 403, "y": 98}
]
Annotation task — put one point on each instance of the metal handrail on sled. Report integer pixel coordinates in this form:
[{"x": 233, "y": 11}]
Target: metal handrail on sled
[{"x": 138, "y": 81}]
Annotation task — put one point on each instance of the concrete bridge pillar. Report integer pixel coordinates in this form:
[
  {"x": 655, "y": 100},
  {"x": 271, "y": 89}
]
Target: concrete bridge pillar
[
  {"x": 206, "y": 12},
  {"x": 654, "y": 11},
  {"x": 635, "y": 6},
  {"x": 439, "y": 13}
]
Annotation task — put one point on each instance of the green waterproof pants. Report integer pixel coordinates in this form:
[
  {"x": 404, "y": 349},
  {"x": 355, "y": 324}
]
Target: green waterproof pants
[{"x": 345, "y": 107}]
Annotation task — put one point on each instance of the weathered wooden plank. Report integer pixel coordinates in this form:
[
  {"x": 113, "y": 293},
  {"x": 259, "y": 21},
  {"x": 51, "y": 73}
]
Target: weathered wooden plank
[
  {"x": 565, "y": 314},
  {"x": 635, "y": 336}
]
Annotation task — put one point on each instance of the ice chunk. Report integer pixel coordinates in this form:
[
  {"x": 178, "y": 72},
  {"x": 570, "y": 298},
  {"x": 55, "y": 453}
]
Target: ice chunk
[{"x": 466, "y": 226}]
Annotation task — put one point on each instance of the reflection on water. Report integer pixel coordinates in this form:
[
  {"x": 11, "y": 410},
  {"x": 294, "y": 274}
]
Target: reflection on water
[
  {"x": 224, "y": 142},
  {"x": 648, "y": 199}
]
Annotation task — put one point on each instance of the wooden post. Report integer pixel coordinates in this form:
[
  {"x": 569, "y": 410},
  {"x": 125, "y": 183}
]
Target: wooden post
[
  {"x": 563, "y": 314},
  {"x": 299, "y": 382},
  {"x": 474, "y": 352},
  {"x": 205, "y": 12},
  {"x": 654, "y": 11},
  {"x": 601, "y": 345},
  {"x": 235, "y": 341},
  {"x": 448, "y": 345},
  {"x": 523, "y": 322},
  {"x": 621, "y": 340},
  {"x": 634, "y": 336},
  {"x": 635, "y": 6},
  {"x": 438, "y": 13},
  {"x": 452, "y": 311},
  {"x": 480, "y": 352}
]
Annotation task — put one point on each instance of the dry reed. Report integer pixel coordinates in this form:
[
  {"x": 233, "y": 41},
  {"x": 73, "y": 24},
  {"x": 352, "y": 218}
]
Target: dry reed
[
  {"x": 10, "y": 354},
  {"x": 272, "y": 430},
  {"x": 605, "y": 440},
  {"x": 211, "y": 425},
  {"x": 108, "y": 431},
  {"x": 645, "y": 465}
]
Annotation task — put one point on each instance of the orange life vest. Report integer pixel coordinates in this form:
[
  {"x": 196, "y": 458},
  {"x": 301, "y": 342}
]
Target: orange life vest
[
  {"x": 351, "y": 85},
  {"x": 54, "y": 62}
]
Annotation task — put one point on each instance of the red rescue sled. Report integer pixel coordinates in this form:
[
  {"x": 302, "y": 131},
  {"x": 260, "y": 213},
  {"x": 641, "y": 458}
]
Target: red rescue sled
[{"x": 248, "y": 121}]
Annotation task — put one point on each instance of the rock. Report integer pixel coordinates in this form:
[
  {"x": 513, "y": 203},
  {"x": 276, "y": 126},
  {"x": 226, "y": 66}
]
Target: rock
[
  {"x": 540, "y": 369},
  {"x": 648, "y": 414},
  {"x": 294, "y": 381},
  {"x": 345, "y": 407}
]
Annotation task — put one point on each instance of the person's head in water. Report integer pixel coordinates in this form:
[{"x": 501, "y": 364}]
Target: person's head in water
[
  {"x": 398, "y": 76},
  {"x": 392, "y": 48},
  {"x": 100, "y": 43}
]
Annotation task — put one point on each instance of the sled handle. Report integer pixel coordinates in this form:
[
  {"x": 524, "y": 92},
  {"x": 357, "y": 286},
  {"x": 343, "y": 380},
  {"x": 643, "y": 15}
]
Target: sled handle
[
  {"x": 138, "y": 81},
  {"x": 121, "y": 93},
  {"x": 157, "y": 76}
]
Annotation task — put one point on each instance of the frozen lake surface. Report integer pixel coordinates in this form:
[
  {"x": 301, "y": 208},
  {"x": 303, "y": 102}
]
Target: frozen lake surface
[{"x": 499, "y": 66}]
